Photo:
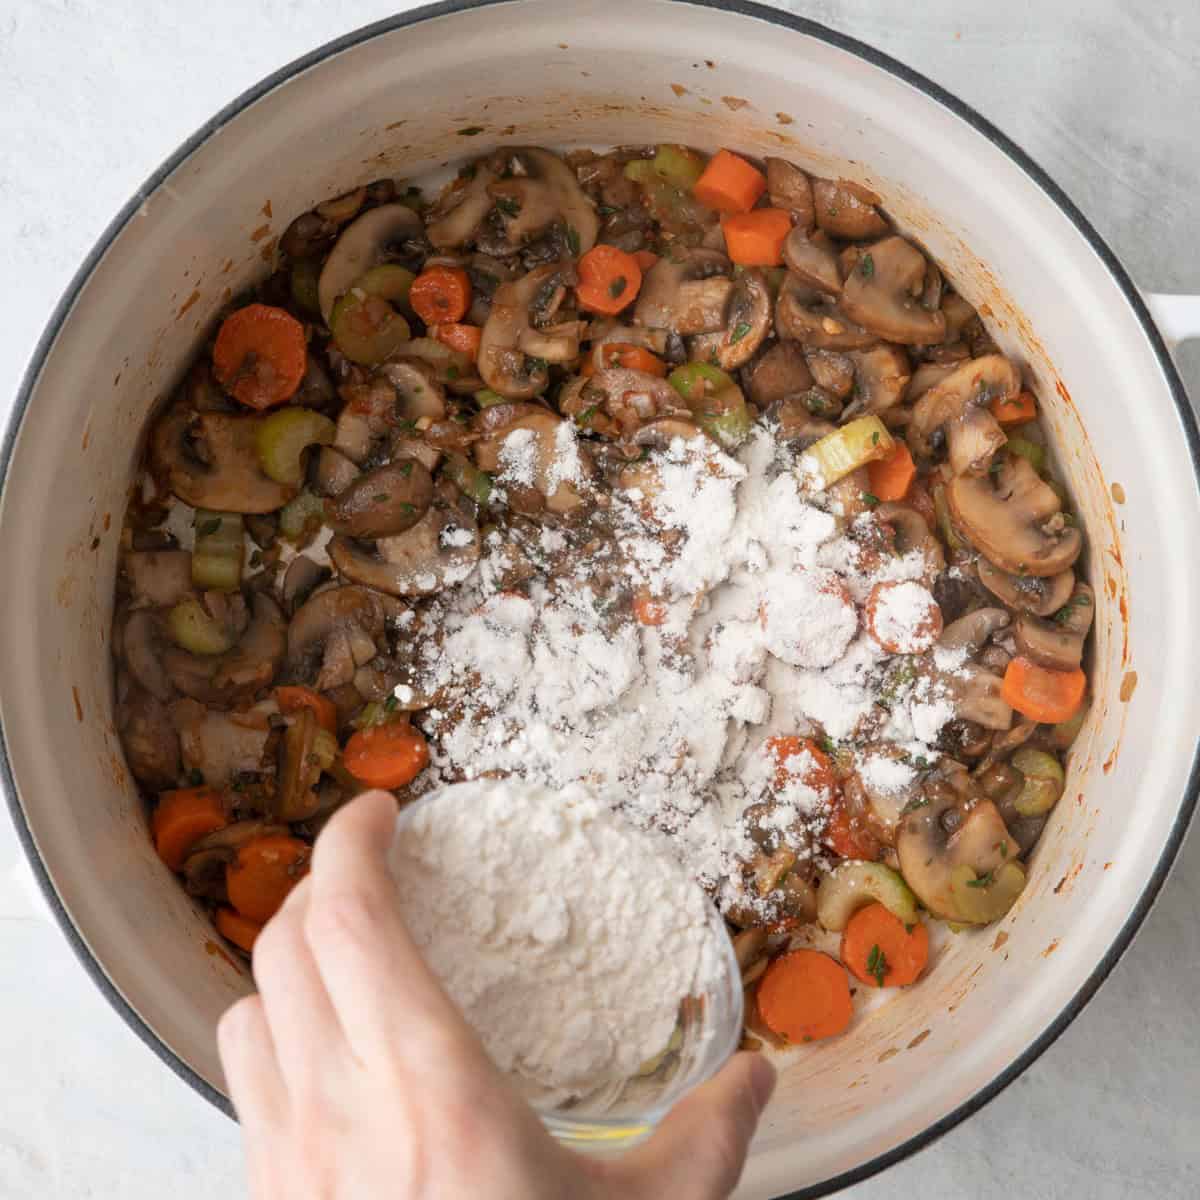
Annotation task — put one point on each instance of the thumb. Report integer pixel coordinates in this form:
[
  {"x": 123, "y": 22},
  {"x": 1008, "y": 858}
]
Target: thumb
[{"x": 699, "y": 1149}]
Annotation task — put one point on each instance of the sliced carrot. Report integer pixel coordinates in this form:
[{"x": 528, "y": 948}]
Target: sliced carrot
[
  {"x": 259, "y": 355},
  {"x": 182, "y": 818},
  {"x": 1041, "y": 694},
  {"x": 647, "y": 610},
  {"x": 813, "y": 767},
  {"x": 624, "y": 354},
  {"x": 609, "y": 279},
  {"x": 1019, "y": 410},
  {"x": 386, "y": 756},
  {"x": 847, "y": 838},
  {"x": 264, "y": 871},
  {"x": 645, "y": 259},
  {"x": 880, "y": 950},
  {"x": 463, "y": 338},
  {"x": 908, "y": 627},
  {"x": 805, "y": 995},
  {"x": 729, "y": 184},
  {"x": 440, "y": 294},
  {"x": 293, "y": 699},
  {"x": 755, "y": 239},
  {"x": 891, "y": 477},
  {"x": 241, "y": 931}
]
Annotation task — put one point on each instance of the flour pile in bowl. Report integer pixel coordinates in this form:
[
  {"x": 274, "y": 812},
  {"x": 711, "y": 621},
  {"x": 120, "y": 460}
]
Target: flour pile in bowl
[
  {"x": 751, "y": 630},
  {"x": 565, "y": 936}
]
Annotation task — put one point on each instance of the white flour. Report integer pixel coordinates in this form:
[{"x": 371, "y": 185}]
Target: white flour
[{"x": 564, "y": 935}]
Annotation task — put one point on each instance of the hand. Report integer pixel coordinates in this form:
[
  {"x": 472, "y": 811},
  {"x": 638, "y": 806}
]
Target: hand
[{"x": 356, "y": 1078}]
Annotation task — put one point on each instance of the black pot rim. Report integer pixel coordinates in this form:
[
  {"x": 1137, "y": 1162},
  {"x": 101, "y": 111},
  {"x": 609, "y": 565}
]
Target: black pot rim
[{"x": 759, "y": 12}]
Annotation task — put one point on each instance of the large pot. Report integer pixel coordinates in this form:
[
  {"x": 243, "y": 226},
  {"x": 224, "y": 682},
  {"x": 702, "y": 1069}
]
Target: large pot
[{"x": 403, "y": 97}]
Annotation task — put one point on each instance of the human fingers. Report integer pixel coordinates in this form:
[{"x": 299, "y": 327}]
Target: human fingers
[{"x": 251, "y": 1071}]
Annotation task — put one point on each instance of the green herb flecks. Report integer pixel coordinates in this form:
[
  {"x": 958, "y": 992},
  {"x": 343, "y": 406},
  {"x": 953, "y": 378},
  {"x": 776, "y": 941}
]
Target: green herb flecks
[
  {"x": 573, "y": 239},
  {"x": 866, "y": 266},
  {"x": 984, "y": 880},
  {"x": 739, "y": 331},
  {"x": 877, "y": 965}
]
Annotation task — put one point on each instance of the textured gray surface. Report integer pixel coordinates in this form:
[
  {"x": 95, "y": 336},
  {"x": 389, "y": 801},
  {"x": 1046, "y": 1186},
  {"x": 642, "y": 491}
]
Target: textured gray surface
[{"x": 94, "y": 93}]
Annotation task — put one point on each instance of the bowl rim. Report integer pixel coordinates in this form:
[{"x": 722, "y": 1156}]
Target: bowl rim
[{"x": 841, "y": 41}]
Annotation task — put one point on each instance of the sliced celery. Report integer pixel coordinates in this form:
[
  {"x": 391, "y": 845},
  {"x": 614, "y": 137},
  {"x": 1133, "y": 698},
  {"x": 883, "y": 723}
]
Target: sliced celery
[
  {"x": 678, "y": 165},
  {"x": 846, "y": 449},
  {"x": 304, "y": 276},
  {"x": 1044, "y": 780},
  {"x": 191, "y": 627},
  {"x": 217, "y": 554},
  {"x": 304, "y": 514},
  {"x": 1034, "y": 454},
  {"x": 715, "y": 400},
  {"x": 388, "y": 281},
  {"x": 856, "y": 884},
  {"x": 486, "y": 398},
  {"x": 284, "y": 436},
  {"x": 468, "y": 478},
  {"x": 367, "y": 329},
  {"x": 980, "y": 899}
]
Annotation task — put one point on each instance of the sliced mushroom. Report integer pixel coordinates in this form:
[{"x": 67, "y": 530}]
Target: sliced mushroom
[
  {"x": 302, "y": 577},
  {"x": 977, "y": 696},
  {"x": 884, "y": 293},
  {"x": 781, "y": 371},
  {"x": 334, "y": 632},
  {"x": 793, "y": 420},
  {"x": 847, "y": 210},
  {"x": 221, "y": 745},
  {"x": 881, "y": 375},
  {"x": 439, "y": 551},
  {"x": 382, "y": 502},
  {"x": 539, "y": 190},
  {"x": 660, "y": 433},
  {"x": 295, "y": 797},
  {"x": 513, "y": 353},
  {"x": 158, "y": 578},
  {"x": 1009, "y": 516},
  {"x": 142, "y": 646},
  {"x": 789, "y": 187},
  {"x": 813, "y": 260},
  {"x": 925, "y": 376},
  {"x": 210, "y": 460},
  {"x": 418, "y": 393},
  {"x": 832, "y": 371},
  {"x": 747, "y": 323},
  {"x": 335, "y": 472},
  {"x": 960, "y": 404},
  {"x": 553, "y": 446},
  {"x": 149, "y": 739},
  {"x": 223, "y": 680},
  {"x": 204, "y": 874},
  {"x": 912, "y": 534},
  {"x": 1037, "y": 594},
  {"x": 364, "y": 243},
  {"x": 461, "y": 210},
  {"x": 973, "y": 631},
  {"x": 806, "y": 316},
  {"x": 237, "y": 834},
  {"x": 628, "y": 397},
  {"x": 1058, "y": 643},
  {"x": 950, "y": 848},
  {"x": 687, "y": 294}
]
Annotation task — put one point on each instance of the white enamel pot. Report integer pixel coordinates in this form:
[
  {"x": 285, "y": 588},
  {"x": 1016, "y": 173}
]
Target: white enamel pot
[{"x": 403, "y": 97}]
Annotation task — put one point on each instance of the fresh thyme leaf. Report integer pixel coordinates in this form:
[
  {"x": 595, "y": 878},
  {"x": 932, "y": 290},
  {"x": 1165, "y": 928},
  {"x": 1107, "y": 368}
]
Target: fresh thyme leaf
[
  {"x": 573, "y": 239},
  {"x": 606, "y": 210},
  {"x": 381, "y": 497},
  {"x": 866, "y": 266},
  {"x": 405, "y": 507},
  {"x": 587, "y": 414},
  {"x": 391, "y": 704},
  {"x": 869, "y": 499},
  {"x": 739, "y": 331},
  {"x": 508, "y": 205},
  {"x": 406, "y": 468},
  {"x": 452, "y": 372},
  {"x": 877, "y": 964},
  {"x": 915, "y": 803},
  {"x": 470, "y": 131},
  {"x": 985, "y": 880},
  {"x": 1063, "y": 615},
  {"x": 875, "y": 439}
]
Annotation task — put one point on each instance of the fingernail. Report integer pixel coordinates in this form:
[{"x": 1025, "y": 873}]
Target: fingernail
[{"x": 762, "y": 1080}]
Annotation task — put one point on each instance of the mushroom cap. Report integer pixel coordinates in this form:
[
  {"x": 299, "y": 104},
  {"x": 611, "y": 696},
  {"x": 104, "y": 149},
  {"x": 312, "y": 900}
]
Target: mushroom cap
[
  {"x": 884, "y": 294},
  {"x": 1037, "y": 594},
  {"x": 418, "y": 393},
  {"x": 141, "y": 648},
  {"x": 1004, "y": 514},
  {"x": 973, "y": 384},
  {"x": 781, "y": 371},
  {"x": 973, "y": 630},
  {"x": 747, "y": 323},
  {"x": 813, "y": 260},
  {"x": 329, "y": 626},
  {"x": 687, "y": 294},
  {"x": 473, "y": 202},
  {"x": 1057, "y": 644},
  {"x": 546, "y": 191},
  {"x": 228, "y": 477},
  {"x": 382, "y": 502},
  {"x": 804, "y": 315},
  {"x": 362, "y": 245},
  {"x": 157, "y": 578},
  {"x": 149, "y": 739},
  {"x": 929, "y": 854},
  {"x": 881, "y": 375},
  {"x": 832, "y": 370},
  {"x": 789, "y": 187},
  {"x": 847, "y": 210},
  {"x": 498, "y": 423}
]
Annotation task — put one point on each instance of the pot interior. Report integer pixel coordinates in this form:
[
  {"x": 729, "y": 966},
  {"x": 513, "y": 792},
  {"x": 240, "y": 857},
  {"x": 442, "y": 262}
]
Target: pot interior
[{"x": 414, "y": 99}]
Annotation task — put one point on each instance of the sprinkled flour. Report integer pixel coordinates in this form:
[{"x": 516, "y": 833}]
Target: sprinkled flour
[
  {"x": 565, "y": 936},
  {"x": 758, "y": 632}
]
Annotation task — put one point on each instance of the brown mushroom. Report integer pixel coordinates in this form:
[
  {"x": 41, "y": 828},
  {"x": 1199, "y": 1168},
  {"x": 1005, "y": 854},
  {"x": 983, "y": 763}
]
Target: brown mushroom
[
  {"x": 747, "y": 323},
  {"x": 149, "y": 739},
  {"x": 335, "y": 472},
  {"x": 624, "y": 396},
  {"x": 418, "y": 393},
  {"x": 847, "y": 210},
  {"x": 460, "y": 209},
  {"x": 1037, "y": 594},
  {"x": 960, "y": 404},
  {"x": 780, "y": 372},
  {"x": 806, "y": 316},
  {"x": 141, "y": 648},
  {"x": 832, "y": 371},
  {"x": 299, "y": 769},
  {"x": 363, "y": 244},
  {"x": 335, "y": 631},
  {"x": 157, "y": 578},
  {"x": 813, "y": 260},
  {"x": 537, "y": 190},
  {"x": 210, "y": 460},
  {"x": 222, "y": 746},
  {"x": 881, "y": 375},
  {"x": 504, "y": 427},
  {"x": 789, "y": 187},
  {"x": 223, "y": 680},
  {"x": 513, "y": 351},
  {"x": 689, "y": 293},
  {"x": 1057, "y": 643},
  {"x": 974, "y": 630},
  {"x": 977, "y": 696},
  {"x": 912, "y": 534},
  {"x": 925, "y": 376},
  {"x": 382, "y": 502},
  {"x": 301, "y": 579},
  {"x": 793, "y": 420},
  {"x": 1013, "y": 517},
  {"x": 884, "y": 294}
]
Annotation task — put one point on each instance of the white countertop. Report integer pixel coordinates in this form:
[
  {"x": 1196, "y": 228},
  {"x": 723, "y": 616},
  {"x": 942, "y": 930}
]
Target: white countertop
[{"x": 95, "y": 93}]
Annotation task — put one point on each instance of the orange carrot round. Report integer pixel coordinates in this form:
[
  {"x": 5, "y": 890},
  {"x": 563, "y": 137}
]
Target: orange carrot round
[
  {"x": 386, "y": 756},
  {"x": 440, "y": 294},
  {"x": 847, "y": 838},
  {"x": 647, "y": 610},
  {"x": 729, "y": 184},
  {"x": 624, "y": 354},
  {"x": 902, "y": 617},
  {"x": 260, "y": 355},
  {"x": 241, "y": 931},
  {"x": 1042, "y": 694},
  {"x": 182, "y": 818},
  {"x": 1019, "y": 410},
  {"x": 804, "y": 996},
  {"x": 293, "y": 699},
  {"x": 264, "y": 871},
  {"x": 812, "y": 765},
  {"x": 880, "y": 950},
  {"x": 609, "y": 279},
  {"x": 463, "y": 338},
  {"x": 755, "y": 239},
  {"x": 891, "y": 477}
]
